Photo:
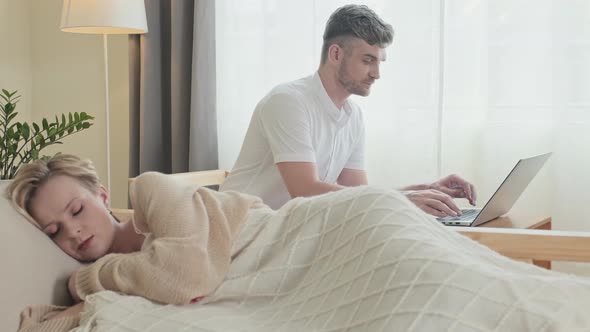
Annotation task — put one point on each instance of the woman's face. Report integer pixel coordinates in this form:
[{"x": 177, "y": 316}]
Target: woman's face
[{"x": 75, "y": 218}]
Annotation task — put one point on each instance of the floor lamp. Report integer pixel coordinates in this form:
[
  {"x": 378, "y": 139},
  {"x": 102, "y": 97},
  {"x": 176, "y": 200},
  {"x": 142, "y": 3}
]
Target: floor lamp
[{"x": 104, "y": 17}]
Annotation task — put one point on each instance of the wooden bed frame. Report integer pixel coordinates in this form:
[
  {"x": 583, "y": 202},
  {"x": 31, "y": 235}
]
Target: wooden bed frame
[{"x": 519, "y": 244}]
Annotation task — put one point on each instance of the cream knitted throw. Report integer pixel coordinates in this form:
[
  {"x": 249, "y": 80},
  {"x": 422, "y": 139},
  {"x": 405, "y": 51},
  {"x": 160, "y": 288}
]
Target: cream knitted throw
[{"x": 360, "y": 259}]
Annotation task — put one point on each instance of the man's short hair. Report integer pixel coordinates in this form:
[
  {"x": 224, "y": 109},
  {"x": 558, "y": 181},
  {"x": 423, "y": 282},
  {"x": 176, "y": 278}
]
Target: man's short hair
[{"x": 355, "y": 21}]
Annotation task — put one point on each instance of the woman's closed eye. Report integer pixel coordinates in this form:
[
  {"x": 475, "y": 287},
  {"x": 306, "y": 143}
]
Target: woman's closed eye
[
  {"x": 53, "y": 231},
  {"x": 78, "y": 211}
]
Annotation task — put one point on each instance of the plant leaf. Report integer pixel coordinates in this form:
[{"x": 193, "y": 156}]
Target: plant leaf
[
  {"x": 25, "y": 131},
  {"x": 21, "y": 142},
  {"x": 8, "y": 108},
  {"x": 10, "y": 117}
]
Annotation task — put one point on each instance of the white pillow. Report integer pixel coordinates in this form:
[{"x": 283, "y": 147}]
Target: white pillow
[{"x": 34, "y": 270}]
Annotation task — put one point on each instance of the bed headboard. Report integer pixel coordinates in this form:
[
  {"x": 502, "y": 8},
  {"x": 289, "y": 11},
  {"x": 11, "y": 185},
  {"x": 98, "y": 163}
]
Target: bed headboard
[
  {"x": 203, "y": 178},
  {"x": 34, "y": 270}
]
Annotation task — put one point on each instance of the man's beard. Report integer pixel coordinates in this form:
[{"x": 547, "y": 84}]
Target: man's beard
[{"x": 352, "y": 86}]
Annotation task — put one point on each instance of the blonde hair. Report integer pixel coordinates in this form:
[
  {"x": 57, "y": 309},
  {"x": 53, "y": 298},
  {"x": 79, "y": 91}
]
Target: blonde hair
[{"x": 32, "y": 176}]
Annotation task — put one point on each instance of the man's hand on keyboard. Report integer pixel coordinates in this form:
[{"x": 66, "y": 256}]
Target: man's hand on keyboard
[
  {"x": 456, "y": 187},
  {"x": 433, "y": 202}
]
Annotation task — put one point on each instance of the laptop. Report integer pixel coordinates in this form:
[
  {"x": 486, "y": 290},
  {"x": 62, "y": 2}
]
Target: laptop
[{"x": 505, "y": 196}]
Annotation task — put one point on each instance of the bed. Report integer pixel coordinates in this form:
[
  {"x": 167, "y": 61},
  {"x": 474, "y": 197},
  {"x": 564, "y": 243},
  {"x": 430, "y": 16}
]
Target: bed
[{"x": 36, "y": 270}]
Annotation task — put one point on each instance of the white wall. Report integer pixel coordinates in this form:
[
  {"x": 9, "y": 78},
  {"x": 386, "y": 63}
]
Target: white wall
[
  {"x": 59, "y": 72},
  {"x": 15, "y": 57}
]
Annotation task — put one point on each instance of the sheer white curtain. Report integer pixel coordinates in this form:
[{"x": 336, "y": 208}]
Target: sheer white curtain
[
  {"x": 482, "y": 83},
  {"x": 517, "y": 81},
  {"x": 517, "y": 74}
]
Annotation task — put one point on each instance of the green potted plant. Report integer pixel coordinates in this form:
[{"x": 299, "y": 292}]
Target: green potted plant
[{"x": 21, "y": 142}]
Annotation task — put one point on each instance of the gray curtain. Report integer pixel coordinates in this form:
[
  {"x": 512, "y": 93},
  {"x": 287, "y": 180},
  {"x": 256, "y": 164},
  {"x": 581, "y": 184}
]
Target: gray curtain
[{"x": 172, "y": 118}]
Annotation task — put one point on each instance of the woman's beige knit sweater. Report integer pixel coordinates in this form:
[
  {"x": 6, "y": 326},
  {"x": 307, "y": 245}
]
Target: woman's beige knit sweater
[{"x": 187, "y": 251}]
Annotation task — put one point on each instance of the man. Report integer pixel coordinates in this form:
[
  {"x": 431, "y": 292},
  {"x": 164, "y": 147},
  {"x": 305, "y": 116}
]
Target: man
[{"x": 307, "y": 138}]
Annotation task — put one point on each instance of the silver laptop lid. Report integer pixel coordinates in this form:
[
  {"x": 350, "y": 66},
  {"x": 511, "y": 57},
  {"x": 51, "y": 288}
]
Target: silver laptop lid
[{"x": 511, "y": 188}]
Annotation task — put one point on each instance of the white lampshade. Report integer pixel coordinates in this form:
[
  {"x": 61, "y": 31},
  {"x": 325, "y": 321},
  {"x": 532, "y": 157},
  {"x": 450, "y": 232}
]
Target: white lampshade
[{"x": 104, "y": 16}]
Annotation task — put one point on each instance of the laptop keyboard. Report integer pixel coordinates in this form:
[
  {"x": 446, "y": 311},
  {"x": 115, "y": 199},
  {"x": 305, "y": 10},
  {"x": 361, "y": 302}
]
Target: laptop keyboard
[{"x": 466, "y": 214}]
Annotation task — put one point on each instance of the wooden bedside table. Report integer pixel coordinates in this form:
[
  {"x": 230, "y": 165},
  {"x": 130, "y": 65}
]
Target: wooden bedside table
[
  {"x": 519, "y": 222},
  {"x": 525, "y": 223},
  {"x": 514, "y": 221}
]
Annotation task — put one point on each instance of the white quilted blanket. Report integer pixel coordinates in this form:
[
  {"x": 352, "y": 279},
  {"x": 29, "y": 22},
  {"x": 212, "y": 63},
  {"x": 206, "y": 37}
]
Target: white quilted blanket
[{"x": 360, "y": 259}]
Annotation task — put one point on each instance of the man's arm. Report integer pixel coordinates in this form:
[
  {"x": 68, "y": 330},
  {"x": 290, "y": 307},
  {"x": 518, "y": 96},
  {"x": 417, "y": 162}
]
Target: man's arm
[
  {"x": 415, "y": 187},
  {"x": 301, "y": 179},
  {"x": 353, "y": 177}
]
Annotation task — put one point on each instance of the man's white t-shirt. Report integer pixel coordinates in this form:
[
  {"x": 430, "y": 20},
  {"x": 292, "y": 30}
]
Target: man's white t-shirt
[{"x": 297, "y": 122}]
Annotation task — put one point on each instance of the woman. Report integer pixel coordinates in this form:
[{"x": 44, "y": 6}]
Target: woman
[
  {"x": 178, "y": 230},
  {"x": 359, "y": 259}
]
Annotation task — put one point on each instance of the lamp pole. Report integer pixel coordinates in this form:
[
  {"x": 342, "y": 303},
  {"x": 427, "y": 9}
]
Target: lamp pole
[{"x": 107, "y": 113}]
